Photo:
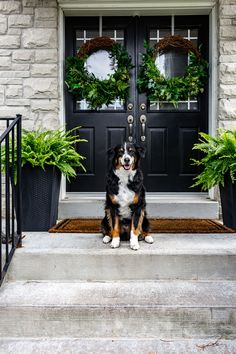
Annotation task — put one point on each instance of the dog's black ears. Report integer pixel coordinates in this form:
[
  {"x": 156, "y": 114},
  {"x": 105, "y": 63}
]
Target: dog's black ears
[
  {"x": 110, "y": 153},
  {"x": 141, "y": 150}
]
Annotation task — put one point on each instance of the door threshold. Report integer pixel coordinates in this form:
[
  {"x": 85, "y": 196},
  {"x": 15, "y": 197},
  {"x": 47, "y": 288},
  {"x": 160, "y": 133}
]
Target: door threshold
[
  {"x": 149, "y": 195},
  {"x": 160, "y": 205}
]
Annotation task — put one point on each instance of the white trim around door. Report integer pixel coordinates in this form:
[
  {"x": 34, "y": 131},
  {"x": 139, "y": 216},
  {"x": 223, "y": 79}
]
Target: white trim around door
[{"x": 174, "y": 7}]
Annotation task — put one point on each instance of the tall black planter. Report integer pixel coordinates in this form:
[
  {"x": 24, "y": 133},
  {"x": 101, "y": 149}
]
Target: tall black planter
[
  {"x": 40, "y": 197},
  {"x": 228, "y": 202}
]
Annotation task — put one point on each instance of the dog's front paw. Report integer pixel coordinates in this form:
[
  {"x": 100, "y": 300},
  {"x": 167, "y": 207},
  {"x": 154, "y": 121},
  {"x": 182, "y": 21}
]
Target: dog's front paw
[
  {"x": 115, "y": 243},
  {"x": 106, "y": 239},
  {"x": 134, "y": 245},
  {"x": 149, "y": 239}
]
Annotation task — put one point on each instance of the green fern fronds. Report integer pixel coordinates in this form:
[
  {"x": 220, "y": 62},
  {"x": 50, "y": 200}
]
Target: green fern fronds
[
  {"x": 51, "y": 147},
  {"x": 219, "y": 158}
]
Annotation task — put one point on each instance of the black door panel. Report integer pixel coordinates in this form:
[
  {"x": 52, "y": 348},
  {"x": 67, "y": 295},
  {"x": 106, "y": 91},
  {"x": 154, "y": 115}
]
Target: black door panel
[{"x": 169, "y": 133}]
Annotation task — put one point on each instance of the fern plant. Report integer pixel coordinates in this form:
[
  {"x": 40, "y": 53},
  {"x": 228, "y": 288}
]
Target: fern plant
[
  {"x": 219, "y": 158},
  {"x": 51, "y": 148}
]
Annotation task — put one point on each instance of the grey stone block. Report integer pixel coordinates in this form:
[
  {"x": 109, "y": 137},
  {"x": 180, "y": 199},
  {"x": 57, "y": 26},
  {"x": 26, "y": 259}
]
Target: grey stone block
[
  {"x": 39, "y": 38},
  {"x": 10, "y": 7}
]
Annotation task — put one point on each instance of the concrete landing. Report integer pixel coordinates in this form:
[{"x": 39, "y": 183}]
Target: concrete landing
[
  {"x": 115, "y": 346},
  {"x": 84, "y": 257}
]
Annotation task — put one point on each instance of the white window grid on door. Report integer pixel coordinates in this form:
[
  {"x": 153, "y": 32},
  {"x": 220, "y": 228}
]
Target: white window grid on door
[
  {"x": 116, "y": 104},
  {"x": 115, "y": 36},
  {"x": 156, "y": 105}
]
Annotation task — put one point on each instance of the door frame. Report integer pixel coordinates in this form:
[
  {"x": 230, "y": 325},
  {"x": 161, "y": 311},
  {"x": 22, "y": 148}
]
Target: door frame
[{"x": 207, "y": 8}]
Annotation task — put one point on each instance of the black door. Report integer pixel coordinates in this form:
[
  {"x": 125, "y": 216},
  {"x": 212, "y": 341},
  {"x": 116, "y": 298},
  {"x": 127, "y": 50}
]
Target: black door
[{"x": 168, "y": 133}]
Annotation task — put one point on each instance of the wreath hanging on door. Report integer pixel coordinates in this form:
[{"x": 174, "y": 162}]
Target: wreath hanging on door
[
  {"x": 174, "y": 89},
  {"x": 84, "y": 84}
]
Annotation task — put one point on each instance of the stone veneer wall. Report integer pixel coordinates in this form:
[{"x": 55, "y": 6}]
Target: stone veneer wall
[
  {"x": 29, "y": 61},
  {"x": 227, "y": 64}
]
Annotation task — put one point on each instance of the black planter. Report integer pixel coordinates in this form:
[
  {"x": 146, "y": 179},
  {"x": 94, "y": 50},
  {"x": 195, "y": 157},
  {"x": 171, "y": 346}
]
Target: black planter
[
  {"x": 40, "y": 197},
  {"x": 228, "y": 202}
]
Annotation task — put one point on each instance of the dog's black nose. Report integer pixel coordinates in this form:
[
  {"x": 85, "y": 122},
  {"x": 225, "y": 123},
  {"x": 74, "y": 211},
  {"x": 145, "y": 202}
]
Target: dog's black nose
[{"x": 126, "y": 159}]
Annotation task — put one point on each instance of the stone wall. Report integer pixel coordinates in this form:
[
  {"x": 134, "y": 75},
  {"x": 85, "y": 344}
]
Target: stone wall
[
  {"x": 227, "y": 63},
  {"x": 29, "y": 61}
]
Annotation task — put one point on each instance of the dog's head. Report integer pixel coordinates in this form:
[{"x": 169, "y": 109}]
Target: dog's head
[{"x": 126, "y": 156}]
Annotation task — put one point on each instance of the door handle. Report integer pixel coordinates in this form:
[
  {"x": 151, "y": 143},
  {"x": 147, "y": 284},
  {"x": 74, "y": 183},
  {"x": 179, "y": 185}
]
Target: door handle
[
  {"x": 130, "y": 120},
  {"x": 143, "y": 120}
]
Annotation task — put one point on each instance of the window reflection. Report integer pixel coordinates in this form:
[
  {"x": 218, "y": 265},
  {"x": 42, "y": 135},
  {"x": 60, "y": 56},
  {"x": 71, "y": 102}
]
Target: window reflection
[
  {"x": 173, "y": 63},
  {"x": 100, "y": 64}
]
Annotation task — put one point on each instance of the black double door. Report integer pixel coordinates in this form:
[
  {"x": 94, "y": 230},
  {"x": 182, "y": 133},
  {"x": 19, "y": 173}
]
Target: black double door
[{"x": 167, "y": 132}]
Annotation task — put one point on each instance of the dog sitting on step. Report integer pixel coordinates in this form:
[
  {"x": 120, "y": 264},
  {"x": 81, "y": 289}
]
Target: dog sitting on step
[{"x": 125, "y": 207}]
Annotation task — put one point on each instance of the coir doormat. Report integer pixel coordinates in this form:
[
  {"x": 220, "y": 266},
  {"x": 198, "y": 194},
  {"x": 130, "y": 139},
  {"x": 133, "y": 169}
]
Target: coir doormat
[{"x": 156, "y": 225}]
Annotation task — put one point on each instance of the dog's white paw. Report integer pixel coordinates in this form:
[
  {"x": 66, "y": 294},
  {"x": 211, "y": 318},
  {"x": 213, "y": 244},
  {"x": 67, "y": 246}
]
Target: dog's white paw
[
  {"x": 115, "y": 243},
  {"x": 134, "y": 245},
  {"x": 149, "y": 239},
  {"x": 106, "y": 239}
]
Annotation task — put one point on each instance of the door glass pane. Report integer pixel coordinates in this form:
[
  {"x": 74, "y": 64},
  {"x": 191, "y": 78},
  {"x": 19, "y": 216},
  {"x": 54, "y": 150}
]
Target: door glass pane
[
  {"x": 82, "y": 36},
  {"x": 172, "y": 64},
  {"x": 100, "y": 65},
  {"x": 99, "y": 62}
]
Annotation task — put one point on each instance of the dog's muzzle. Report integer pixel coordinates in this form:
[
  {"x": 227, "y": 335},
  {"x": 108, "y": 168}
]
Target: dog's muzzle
[{"x": 127, "y": 163}]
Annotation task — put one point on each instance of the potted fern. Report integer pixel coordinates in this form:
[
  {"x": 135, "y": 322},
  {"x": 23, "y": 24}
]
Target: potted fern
[
  {"x": 45, "y": 156},
  {"x": 218, "y": 164}
]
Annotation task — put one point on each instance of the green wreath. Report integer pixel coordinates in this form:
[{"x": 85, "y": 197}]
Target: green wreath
[
  {"x": 174, "y": 89},
  {"x": 85, "y": 85}
]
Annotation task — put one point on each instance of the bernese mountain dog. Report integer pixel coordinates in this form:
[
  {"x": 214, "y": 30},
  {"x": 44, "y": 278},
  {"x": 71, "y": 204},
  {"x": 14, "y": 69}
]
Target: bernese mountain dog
[{"x": 125, "y": 206}]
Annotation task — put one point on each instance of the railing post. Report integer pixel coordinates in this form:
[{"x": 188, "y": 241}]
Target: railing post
[
  {"x": 10, "y": 163},
  {"x": 1, "y": 234},
  {"x": 7, "y": 194},
  {"x": 18, "y": 192}
]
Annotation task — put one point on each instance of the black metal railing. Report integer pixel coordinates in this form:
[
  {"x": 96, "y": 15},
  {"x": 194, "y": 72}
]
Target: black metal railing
[{"x": 10, "y": 191}]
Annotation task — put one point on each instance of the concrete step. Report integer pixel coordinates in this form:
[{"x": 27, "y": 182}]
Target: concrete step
[
  {"x": 164, "y": 309},
  {"x": 116, "y": 346},
  {"x": 177, "y": 205},
  {"x": 72, "y": 257}
]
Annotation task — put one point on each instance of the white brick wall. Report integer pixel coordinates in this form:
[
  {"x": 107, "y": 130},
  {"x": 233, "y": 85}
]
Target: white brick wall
[
  {"x": 29, "y": 61},
  {"x": 227, "y": 64}
]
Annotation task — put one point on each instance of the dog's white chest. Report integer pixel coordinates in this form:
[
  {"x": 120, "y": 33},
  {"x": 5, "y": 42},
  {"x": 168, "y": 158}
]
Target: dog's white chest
[{"x": 125, "y": 196}]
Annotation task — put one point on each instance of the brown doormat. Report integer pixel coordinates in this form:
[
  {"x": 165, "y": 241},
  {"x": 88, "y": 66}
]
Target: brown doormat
[{"x": 157, "y": 226}]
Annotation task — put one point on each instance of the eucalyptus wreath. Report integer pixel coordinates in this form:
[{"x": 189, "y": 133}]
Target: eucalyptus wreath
[
  {"x": 174, "y": 89},
  {"x": 85, "y": 85}
]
